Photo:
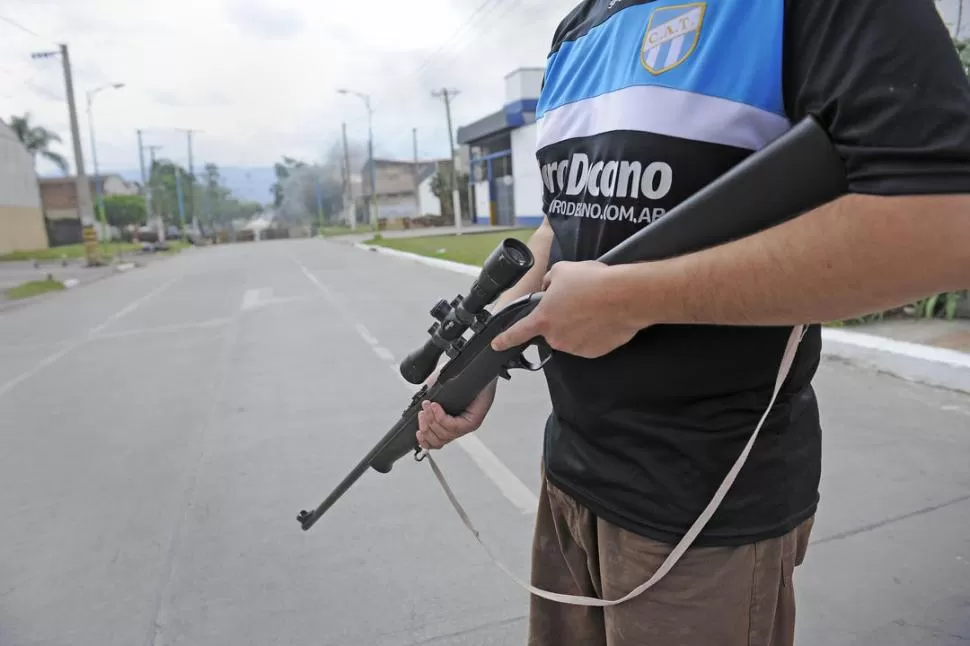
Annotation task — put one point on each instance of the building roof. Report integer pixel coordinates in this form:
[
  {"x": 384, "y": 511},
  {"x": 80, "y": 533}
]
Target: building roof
[
  {"x": 513, "y": 115},
  {"x": 70, "y": 179}
]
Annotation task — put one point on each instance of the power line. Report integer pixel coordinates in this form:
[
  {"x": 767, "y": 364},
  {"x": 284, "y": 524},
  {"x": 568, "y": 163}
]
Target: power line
[
  {"x": 416, "y": 73},
  {"x": 16, "y": 24}
]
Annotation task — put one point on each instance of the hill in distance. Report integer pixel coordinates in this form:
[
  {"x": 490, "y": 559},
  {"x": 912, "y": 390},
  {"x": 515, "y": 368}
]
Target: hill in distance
[{"x": 250, "y": 184}]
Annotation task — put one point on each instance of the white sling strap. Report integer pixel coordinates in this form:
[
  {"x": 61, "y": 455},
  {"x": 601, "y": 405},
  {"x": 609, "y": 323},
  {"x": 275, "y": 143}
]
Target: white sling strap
[{"x": 681, "y": 548}]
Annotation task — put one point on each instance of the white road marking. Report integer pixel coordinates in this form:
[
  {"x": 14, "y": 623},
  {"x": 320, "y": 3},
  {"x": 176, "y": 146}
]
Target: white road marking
[
  {"x": 367, "y": 336},
  {"x": 251, "y": 299},
  {"x": 131, "y": 307},
  {"x": 27, "y": 347},
  {"x": 384, "y": 353},
  {"x": 91, "y": 334},
  {"x": 254, "y": 299},
  {"x": 507, "y": 482},
  {"x": 955, "y": 409},
  {"x": 175, "y": 327},
  {"x": 513, "y": 488},
  {"x": 24, "y": 376},
  {"x": 323, "y": 288}
]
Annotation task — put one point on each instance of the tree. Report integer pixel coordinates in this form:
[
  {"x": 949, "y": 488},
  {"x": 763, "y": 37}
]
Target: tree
[
  {"x": 38, "y": 140},
  {"x": 123, "y": 210},
  {"x": 165, "y": 201},
  {"x": 441, "y": 188}
]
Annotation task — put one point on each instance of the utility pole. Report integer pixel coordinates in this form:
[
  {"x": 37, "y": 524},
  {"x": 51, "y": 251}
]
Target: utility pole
[
  {"x": 151, "y": 171},
  {"x": 188, "y": 132},
  {"x": 146, "y": 189},
  {"x": 447, "y": 95},
  {"x": 181, "y": 202},
  {"x": 85, "y": 210},
  {"x": 98, "y": 182},
  {"x": 349, "y": 183},
  {"x": 376, "y": 208},
  {"x": 319, "y": 192},
  {"x": 417, "y": 184}
]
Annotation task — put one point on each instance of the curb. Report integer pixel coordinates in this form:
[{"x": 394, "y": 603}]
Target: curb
[
  {"x": 924, "y": 364},
  {"x": 450, "y": 265}
]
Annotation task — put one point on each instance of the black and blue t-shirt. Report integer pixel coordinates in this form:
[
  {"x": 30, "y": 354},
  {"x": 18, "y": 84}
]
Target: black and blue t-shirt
[{"x": 645, "y": 102}]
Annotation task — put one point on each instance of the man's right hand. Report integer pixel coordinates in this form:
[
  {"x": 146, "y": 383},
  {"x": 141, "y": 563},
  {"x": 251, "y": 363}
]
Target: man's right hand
[{"x": 436, "y": 427}]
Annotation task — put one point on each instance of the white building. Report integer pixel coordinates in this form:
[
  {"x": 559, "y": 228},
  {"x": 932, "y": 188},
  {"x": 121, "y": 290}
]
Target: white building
[
  {"x": 21, "y": 215},
  {"x": 403, "y": 189},
  {"x": 500, "y": 149}
]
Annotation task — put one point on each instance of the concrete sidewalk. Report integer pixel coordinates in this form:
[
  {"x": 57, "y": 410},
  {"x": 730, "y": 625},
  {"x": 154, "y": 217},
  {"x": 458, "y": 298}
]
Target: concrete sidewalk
[
  {"x": 367, "y": 234},
  {"x": 953, "y": 335}
]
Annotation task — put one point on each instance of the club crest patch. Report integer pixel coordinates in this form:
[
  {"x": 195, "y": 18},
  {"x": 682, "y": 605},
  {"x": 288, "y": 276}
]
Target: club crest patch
[{"x": 671, "y": 36}]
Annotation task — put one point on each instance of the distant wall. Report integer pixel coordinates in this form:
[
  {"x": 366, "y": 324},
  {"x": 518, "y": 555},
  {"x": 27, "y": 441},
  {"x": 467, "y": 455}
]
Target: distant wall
[{"x": 21, "y": 217}]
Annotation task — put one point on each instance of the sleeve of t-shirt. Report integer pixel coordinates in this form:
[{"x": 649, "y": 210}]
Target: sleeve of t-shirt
[{"x": 886, "y": 81}]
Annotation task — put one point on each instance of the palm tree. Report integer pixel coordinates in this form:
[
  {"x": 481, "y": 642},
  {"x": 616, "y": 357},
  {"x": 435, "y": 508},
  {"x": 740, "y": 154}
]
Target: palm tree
[{"x": 38, "y": 140}]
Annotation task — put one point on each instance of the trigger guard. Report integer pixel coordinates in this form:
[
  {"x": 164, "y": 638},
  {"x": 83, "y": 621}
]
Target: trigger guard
[{"x": 545, "y": 354}]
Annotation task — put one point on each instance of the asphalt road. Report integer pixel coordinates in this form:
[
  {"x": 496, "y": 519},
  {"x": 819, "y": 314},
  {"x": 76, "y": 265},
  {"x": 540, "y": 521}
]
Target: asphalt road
[{"x": 162, "y": 428}]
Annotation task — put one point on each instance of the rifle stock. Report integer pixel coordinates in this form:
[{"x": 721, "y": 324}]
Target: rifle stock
[{"x": 796, "y": 173}]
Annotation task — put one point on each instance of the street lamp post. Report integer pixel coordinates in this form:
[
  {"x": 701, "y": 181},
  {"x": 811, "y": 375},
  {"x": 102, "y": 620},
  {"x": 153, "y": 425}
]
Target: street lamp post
[
  {"x": 98, "y": 189},
  {"x": 370, "y": 154}
]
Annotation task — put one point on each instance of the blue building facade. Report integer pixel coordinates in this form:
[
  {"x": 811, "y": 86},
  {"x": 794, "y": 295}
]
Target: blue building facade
[{"x": 504, "y": 181}]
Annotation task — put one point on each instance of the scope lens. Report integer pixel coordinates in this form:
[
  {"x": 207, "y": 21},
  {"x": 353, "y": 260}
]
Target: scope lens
[{"x": 517, "y": 252}]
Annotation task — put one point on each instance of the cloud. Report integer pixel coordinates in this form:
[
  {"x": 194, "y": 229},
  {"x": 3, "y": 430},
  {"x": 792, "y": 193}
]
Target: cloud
[
  {"x": 265, "y": 20},
  {"x": 259, "y": 78}
]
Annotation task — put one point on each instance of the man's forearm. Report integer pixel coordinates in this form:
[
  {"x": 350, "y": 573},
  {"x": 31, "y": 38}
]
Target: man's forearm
[
  {"x": 857, "y": 255},
  {"x": 540, "y": 243}
]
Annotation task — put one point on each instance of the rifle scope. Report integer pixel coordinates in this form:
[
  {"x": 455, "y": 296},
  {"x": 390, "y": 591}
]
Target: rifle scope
[{"x": 504, "y": 267}]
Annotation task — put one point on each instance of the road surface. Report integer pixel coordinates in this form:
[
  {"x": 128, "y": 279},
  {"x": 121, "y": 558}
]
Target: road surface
[{"x": 162, "y": 428}]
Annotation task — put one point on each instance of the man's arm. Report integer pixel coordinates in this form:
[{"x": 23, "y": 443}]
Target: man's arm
[
  {"x": 885, "y": 81},
  {"x": 854, "y": 256}
]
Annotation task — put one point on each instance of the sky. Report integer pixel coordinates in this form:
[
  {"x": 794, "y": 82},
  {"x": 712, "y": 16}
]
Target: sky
[{"x": 258, "y": 79}]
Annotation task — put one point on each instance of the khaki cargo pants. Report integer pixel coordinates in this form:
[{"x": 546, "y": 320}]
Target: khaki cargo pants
[{"x": 714, "y": 596}]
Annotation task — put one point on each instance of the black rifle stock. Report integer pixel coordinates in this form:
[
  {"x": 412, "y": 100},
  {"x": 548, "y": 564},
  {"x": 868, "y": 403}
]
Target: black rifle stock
[{"x": 796, "y": 173}]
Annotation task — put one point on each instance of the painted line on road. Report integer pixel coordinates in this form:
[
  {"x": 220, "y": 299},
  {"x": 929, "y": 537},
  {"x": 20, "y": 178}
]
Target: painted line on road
[
  {"x": 367, "y": 336},
  {"x": 131, "y": 307},
  {"x": 251, "y": 299},
  {"x": 27, "y": 347},
  {"x": 174, "y": 327},
  {"x": 510, "y": 485},
  {"x": 494, "y": 469},
  {"x": 384, "y": 353},
  {"x": 91, "y": 334}
]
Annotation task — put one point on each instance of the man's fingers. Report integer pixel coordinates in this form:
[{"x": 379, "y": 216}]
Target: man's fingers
[
  {"x": 520, "y": 332},
  {"x": 435, "y": 427},
  {"x": 546, "y": 279}
]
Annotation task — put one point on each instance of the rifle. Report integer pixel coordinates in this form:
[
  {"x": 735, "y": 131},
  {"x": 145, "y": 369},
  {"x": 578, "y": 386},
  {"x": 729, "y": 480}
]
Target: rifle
[{"x": 796, "y": 173}]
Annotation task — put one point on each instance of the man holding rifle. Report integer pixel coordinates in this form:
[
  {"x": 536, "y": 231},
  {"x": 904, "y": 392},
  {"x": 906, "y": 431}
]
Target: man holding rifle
[{"x": 662, "y": 369}]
